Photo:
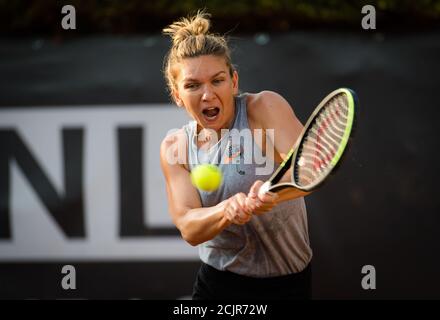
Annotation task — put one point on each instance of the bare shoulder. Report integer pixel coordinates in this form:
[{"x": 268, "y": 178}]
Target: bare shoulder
[
  {"x": 267, "y": 106},
  {"x": 173, "y": 149},
  {"x": 178, "y": 136}
]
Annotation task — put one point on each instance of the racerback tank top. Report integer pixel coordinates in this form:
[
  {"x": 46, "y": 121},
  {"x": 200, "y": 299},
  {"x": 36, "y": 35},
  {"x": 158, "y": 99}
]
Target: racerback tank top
[{"x": 272, "y": 244}]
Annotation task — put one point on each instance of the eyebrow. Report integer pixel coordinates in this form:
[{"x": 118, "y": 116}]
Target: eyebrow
[{"x": 215, "y": 75}]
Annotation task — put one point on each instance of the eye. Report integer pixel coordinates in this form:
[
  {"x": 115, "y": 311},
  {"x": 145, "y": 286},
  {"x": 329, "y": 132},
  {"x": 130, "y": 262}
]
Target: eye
[
  {"x": 191, "y": 86},
  {"x": 218, "y": 81}
]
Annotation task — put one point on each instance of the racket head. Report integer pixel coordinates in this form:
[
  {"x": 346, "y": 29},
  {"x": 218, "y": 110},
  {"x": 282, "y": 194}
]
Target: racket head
[{"x": 324, "y": 140}]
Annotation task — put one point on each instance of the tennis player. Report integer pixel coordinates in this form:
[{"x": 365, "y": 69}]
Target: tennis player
[{"x": 251, "y": 246}]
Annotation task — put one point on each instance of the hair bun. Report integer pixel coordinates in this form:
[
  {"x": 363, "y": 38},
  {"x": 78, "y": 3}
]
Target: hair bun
[{"x": 187, "y": 27}]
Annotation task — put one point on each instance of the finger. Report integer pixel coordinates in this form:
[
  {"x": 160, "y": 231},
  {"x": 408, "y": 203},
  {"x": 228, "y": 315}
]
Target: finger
[
  {"x": 253, "y": 192},
  {"x": 239, "y": 213},
  {"x": 242, "y": 201},
  {"x": 230, "y": 214},
  {"x": 245, "y": 217},
  {"x": 264, "y": 188},
  {"x": 235, "y": 210},
  {"x": 257, "y": 202},
  {"x": 240, "y": 220},
  {"x": 251, "y": 204},
  {"x": 268, "y": 196}
]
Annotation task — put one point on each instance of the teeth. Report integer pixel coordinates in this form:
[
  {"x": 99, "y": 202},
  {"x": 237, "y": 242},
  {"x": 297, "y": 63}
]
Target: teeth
[{"x": 211, "y": 112}]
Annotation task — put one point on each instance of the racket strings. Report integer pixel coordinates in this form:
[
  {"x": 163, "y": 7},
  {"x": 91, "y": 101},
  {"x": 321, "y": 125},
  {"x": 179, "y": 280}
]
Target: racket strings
[{"x": 322, "y": 141}]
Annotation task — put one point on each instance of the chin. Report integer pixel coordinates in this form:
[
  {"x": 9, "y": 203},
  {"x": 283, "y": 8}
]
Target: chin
[{"x": 213, "y": 125}]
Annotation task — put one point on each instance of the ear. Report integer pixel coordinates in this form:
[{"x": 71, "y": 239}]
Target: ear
[
  {"x": 235, "y": 82},
  {"x": 177, "y": 99}
]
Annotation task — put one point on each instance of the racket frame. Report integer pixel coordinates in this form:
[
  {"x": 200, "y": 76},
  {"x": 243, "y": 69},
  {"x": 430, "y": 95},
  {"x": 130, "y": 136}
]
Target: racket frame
[{"x": 271, "y": 185}]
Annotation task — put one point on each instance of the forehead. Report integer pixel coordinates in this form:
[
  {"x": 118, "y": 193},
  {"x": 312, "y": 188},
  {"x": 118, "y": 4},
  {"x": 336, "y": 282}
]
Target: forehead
[{"x": 201, "y": 67}]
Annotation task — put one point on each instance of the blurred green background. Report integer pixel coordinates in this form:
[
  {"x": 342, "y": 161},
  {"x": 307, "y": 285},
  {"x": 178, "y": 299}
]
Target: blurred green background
[{"x": 20, "y": 17}]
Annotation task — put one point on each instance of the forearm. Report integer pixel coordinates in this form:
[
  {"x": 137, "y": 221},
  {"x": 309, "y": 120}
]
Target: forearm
[{"x": 202, "y": 224}]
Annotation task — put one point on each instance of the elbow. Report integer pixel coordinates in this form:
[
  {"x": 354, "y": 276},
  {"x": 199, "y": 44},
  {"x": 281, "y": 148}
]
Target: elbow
[
  {"x": 188, "y": 234},
  {"x": 190, "y": 237},
  {"x": 191, "y": 240}
]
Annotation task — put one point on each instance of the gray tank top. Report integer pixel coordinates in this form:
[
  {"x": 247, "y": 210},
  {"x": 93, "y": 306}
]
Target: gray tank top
[{"x": 272, "y": 244}]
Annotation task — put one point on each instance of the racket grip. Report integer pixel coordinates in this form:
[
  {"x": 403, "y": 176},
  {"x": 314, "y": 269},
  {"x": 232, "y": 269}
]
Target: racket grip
[{"x": 264, "y": 188}]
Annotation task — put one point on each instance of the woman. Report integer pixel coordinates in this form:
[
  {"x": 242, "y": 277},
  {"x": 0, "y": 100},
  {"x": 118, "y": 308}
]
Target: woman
[{"x": 251, "y": 245}]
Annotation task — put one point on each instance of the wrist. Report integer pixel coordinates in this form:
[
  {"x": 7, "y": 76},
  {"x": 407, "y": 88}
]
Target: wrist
[{"x": 221, "y": 210}]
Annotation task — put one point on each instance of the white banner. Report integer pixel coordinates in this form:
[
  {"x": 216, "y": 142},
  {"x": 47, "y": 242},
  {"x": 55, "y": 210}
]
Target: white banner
[{"x": 39, "y": 137}]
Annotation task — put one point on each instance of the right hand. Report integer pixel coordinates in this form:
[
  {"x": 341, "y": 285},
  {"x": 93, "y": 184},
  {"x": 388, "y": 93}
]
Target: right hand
[
  {"x": 260, "y": 202},
  {"x": 235, "y": 209}
]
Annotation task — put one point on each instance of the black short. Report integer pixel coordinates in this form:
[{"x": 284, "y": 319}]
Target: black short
[{"x": 212, "y": 284}]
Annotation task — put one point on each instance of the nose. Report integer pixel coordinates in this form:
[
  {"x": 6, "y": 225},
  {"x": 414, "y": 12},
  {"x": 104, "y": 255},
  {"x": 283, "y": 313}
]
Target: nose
[{"x": 208, "y": 93}]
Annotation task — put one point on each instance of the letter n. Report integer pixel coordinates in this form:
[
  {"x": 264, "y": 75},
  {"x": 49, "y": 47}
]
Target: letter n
[{"x": 68, "y": 209}]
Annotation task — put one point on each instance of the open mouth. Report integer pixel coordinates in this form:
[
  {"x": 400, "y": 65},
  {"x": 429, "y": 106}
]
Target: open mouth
[{"x": 211, "y": 113}]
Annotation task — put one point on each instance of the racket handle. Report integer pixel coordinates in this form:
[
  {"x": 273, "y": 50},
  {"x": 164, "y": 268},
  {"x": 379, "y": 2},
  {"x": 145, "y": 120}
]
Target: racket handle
[{"x": 264, "y": 188}]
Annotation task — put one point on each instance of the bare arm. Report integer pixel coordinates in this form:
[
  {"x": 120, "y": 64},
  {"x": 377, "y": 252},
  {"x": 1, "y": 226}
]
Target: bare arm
[
  {"x": 273, "y": 112},
  {"x": 195, "y": 223}
]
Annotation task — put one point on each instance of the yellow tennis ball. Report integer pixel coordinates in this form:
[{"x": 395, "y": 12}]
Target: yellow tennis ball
[{"x": 206, "y": 177}]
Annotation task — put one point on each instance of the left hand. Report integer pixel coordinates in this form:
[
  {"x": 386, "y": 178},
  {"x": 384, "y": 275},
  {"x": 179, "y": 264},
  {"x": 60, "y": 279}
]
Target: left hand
[{"x": 260, "y": 203}]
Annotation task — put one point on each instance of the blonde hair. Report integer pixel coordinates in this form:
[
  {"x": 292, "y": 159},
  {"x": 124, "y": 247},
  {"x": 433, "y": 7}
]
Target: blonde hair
[{"x": 191, "y": 39}]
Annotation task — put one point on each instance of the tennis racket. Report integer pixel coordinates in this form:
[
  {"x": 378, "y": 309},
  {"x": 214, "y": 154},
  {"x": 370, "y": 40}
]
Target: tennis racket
[{"x": 321, "y": 145}]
